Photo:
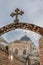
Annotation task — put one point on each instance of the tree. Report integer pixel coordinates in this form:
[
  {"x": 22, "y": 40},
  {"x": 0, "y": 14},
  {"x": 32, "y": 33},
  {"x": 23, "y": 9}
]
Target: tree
[{"x": 27, "y": 60}]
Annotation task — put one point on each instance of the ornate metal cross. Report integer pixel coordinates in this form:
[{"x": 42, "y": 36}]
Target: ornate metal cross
[{"x": 17, "y": 12}]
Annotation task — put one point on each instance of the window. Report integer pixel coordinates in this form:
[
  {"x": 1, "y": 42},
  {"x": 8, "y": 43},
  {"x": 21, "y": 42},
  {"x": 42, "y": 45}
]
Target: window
[
  {"x": 16, "y": 51},
  {"x": 24, "y": 52}
]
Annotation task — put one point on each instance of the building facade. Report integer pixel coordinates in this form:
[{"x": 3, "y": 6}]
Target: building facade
[
  {"x": 24, "y": 47},
  {"x": 21, "y": 47}
]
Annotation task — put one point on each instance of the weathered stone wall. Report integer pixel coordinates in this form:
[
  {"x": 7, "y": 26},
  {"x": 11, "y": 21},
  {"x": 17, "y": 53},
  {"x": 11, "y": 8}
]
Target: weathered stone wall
[
  {"x": 4, "y": 60},
  {"x": 41, "y": 50}
]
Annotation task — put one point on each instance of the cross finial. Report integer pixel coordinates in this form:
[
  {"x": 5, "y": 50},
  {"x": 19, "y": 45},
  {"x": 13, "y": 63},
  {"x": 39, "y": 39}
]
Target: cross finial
[{"x": 17, "y": 12}]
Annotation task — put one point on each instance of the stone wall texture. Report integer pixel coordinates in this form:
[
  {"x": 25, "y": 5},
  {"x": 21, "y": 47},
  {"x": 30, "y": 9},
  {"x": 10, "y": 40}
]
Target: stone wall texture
[
  {"x": 41, "y": 50},
  {"x": 4, "y": 60}
]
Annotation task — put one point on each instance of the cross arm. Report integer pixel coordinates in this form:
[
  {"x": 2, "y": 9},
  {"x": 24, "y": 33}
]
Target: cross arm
[{"x": 12, "y": 14}]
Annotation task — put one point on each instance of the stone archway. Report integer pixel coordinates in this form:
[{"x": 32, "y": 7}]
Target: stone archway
[{"x": 16, "y": 24}]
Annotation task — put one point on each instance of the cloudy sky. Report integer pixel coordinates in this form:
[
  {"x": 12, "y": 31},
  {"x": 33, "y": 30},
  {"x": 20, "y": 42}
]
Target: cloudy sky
[{"x": 33, "y": 13}]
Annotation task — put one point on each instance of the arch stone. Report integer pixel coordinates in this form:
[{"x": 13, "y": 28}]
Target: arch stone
[{"x": 20, "y": 25}]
